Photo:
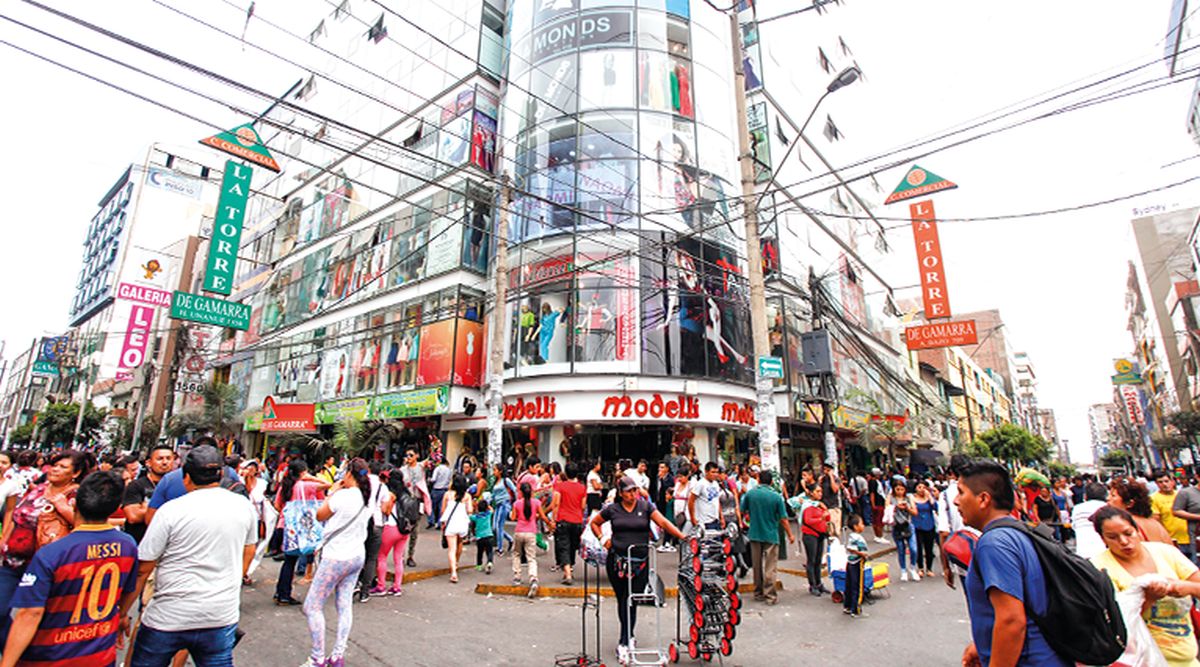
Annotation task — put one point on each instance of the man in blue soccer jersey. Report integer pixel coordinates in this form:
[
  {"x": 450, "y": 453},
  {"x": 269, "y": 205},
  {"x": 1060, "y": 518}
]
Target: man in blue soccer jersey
[{"x": 66, "y": 607}]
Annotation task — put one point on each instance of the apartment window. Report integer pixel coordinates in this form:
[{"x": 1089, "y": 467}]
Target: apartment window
[
  {"x": 845, "y": 49},
  {"x": 823, "y": 60},
  {"x": 342, "y": 11}
]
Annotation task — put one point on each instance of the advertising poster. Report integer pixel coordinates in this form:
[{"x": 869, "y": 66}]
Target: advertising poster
[
  {"x": 454, "y": 137},
  {"x": 416, "y": 403},
  {"x": 444, "y": 246},
  {"x": 468, "y": 354},
  {"x": 483, "y": 142},
  {"x": 436, "y": 353}
]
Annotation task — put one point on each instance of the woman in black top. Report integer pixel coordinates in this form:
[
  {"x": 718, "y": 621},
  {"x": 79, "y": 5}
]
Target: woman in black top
[{"x": 630, "y": 517}]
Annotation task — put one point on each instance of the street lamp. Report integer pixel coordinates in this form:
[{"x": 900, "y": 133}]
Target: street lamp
[{"x": 766, "y": 424}]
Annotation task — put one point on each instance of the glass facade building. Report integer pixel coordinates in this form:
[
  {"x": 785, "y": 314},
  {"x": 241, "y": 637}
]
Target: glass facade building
[{"x": 620, "y": 122}]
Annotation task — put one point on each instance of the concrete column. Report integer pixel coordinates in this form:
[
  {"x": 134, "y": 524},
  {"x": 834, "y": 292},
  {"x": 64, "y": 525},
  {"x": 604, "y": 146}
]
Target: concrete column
[
  {"x": 703, "y": 445},
  {"x": 552, "y": 437},
  {"x": 454, "y": 445}
]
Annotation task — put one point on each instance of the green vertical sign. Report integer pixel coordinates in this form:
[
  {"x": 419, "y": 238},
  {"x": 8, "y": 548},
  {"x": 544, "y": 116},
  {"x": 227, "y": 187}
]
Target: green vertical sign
[{"x": 227, "y": 228}]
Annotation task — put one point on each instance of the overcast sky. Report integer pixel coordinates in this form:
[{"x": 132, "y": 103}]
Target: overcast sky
[{"x": 931, "y": 65}]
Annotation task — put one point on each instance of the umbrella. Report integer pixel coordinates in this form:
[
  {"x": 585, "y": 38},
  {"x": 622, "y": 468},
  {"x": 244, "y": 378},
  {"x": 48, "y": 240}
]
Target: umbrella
[{"x": 1031, "y": 477}]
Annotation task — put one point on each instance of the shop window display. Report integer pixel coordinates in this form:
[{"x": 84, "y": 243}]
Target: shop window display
[
  {"x": 409, "y": 240},
  {"x": 483, "y": 142},
  {"x": 605, "y": 135},
  {"x": 606, "y": 317},
  {"x": 607, "y": 193},
  {"x": 665, "y": 83},
  {"x": 553, "y": 89},
  {"x": 610, "y": 78},
  {"x": 476, "y": 237},
  {"x": 660, "y": 32}
]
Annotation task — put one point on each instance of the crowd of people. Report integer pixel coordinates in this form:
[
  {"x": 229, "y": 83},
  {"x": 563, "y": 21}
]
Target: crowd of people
[{"x": 158, "y": 548}]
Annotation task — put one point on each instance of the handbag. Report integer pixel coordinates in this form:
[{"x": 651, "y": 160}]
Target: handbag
[
  {"x": 540, "y": 539},
  {"x": 302, "y": 533},
  {"x": 51, "y": 526}
]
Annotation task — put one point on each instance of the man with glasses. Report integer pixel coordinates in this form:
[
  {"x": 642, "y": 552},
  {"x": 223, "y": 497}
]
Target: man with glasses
[{"x": 413, "y": 473}]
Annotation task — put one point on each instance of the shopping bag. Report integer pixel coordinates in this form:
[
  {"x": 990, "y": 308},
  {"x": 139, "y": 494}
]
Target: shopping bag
[
  {"x": 837, "y": 556},
  {"x": 302, "y": 533},
  {"x": 1140, "y": 649},
  {"x": 542, "y": 544},
  {"x": 889, "y": 515}
]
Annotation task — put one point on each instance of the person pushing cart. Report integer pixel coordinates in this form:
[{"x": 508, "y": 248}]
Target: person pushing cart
[{"x": 630, "y": 518}]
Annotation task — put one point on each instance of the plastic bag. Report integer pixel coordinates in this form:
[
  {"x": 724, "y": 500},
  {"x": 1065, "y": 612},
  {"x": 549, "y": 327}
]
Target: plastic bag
[
  {"x": 837, "y": 557},
  {"x": 592, "y": 547},
  {"x": 1140, "y": 651}
]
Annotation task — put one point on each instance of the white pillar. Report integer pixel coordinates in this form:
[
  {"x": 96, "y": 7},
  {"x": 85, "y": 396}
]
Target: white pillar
[{"x": 703, "y": 445}]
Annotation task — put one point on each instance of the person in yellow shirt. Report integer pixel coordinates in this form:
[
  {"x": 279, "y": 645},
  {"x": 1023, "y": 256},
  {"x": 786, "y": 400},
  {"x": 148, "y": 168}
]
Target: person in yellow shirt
[{"x": 1161, "y": 504}]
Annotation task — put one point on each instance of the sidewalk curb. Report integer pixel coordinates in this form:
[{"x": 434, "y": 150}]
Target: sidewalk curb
[
  {"x": 576, "y": 592},
  {"x": 825, "y": 571}
]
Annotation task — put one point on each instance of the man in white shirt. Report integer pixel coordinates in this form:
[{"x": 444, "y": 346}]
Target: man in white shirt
[
  {"x": 949, "y": 519},
  {"x": 440, "y": 481},
  {"x": 704, "y": 499},
  {"x": 200, "y": 546},
  {"x": 1087, "y": 541},
  {"x": 639, "y": 476}
]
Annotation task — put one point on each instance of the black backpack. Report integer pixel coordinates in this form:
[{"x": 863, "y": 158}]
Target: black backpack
[
  {"x": 1082, "y": 622},
  {"x": 407, "y": 513}
]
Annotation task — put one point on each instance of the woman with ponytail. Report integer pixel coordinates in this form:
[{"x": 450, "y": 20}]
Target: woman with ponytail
[
  {"x": 343, "y": 552},
  {"x": 526, "y": 512}
]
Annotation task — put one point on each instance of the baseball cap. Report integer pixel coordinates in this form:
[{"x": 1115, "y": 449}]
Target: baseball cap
[
  {"x": 626, "y": 484},
  {"x": 755, "y": 468},
  {"x": 204, "y": 457}
]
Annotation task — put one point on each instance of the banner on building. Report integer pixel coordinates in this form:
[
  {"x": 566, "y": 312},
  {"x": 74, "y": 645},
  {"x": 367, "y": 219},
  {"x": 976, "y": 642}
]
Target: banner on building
[
  {"x": 243, "y": 142},
  {"x": 918, "y": 183},
  {"x": 288, "y": 417},
  {"x": 1126, "y": 373},
  {"x": 929, "y": 261},
  {"x": 137, "y": 335},
  {"x": 227, "y": 228},
  {"x": 417, "y": 403},
  {"x": 207, "y": 310},
  {"x": 941, "y": 334},
  {"x": 172, "y": 181},
  {"x": 1131, "y": 397}
]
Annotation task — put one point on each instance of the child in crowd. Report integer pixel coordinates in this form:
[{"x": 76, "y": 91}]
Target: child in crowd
[
  {"x": 485, "y": 537},
  {"x": 856, "y": 550}
]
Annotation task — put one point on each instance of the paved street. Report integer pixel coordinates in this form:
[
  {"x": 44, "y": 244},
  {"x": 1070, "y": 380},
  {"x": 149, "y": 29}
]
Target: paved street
[{"x": 436, "y": 623}]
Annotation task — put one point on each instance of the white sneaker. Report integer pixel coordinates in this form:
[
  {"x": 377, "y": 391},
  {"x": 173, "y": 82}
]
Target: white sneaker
[
  {"x": 623, "y": 654},
  {"x": 903, "y": 575},
  {"x": 915, "y": 576},
  {"x": 666, "y": 549}
]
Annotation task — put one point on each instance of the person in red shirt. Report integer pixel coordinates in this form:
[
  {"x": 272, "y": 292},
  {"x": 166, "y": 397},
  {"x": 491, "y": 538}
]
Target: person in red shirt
[
  {"x": 814, "y": 527},
  {"x": 569, "y": 497}
]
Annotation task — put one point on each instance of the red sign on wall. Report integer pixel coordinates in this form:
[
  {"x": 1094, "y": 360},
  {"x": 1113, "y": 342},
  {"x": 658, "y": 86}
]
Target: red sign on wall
[
  {"x": 288, "y": 417},
  {"x": 437, "y": 353},
  {"x": 536, "y": 408},
  {"x": 468, "y": 354},
  {"x": 941, "y": 334},
  {"x": 929, "y": 261}
]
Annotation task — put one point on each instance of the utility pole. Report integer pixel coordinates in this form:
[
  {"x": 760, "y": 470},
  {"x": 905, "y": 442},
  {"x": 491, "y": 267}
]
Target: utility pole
[
  {"x": 143, "y": 376},
  {"x": 495, "y": 393},
  {"x": 821, "y": 382},
  {"x": 962, "y": 370},
  {"x": 765, "y": 423}
]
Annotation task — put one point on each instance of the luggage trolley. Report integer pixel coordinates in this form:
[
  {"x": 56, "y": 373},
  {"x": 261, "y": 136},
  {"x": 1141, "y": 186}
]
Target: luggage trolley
[
  {"x": 593, "y": 562},
  {"x": 708, "y": 591},
  {"x": 653, "y": 595}
]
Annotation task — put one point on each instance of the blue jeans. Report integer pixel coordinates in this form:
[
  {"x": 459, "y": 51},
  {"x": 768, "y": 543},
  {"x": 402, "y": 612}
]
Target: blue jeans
[
  {"x": 210, "y": 647},
  {"x": 503, "y": 508},
  {"x": 436, "y": 515},
  {"x": 8, "y": 585},
  {"x": 906, "y": 548}
]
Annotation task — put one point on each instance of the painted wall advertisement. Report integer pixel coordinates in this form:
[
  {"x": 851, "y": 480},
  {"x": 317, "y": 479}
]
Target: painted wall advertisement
[
  {"x": 416, "y": 403},
  {"x": 468, "y": 354},
  {"x": 437, "y": 353}
]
